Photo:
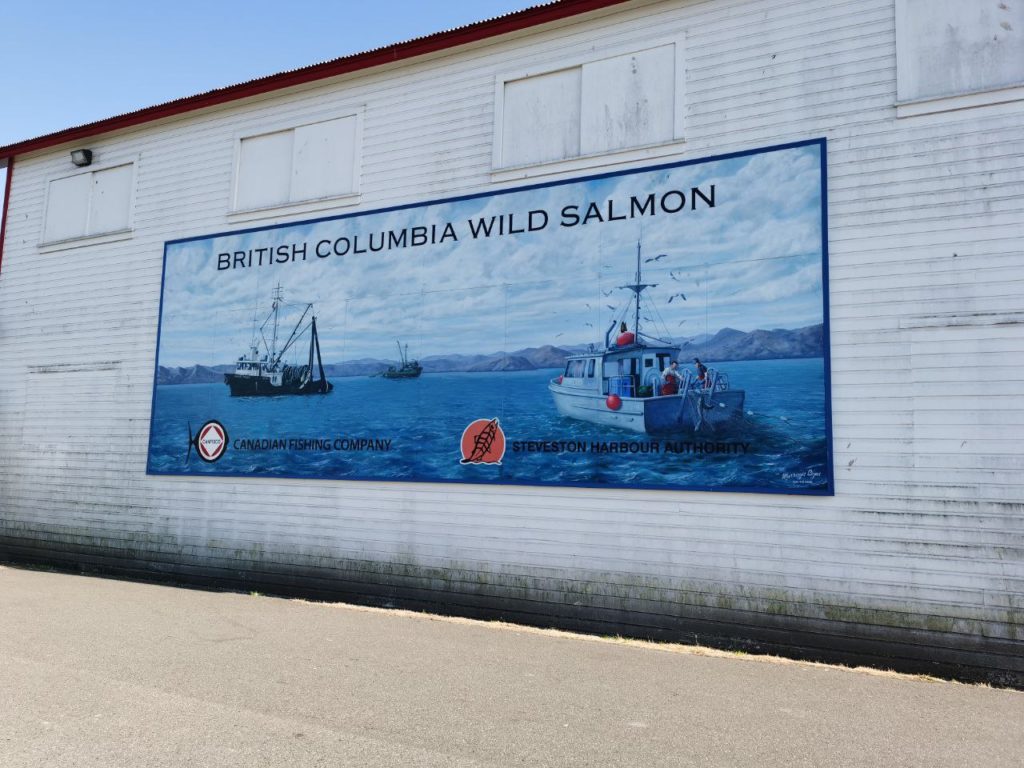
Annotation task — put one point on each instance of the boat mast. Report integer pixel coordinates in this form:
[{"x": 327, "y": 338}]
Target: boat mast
[
  {"x": 254, "y": 345},
  {"x": 312, "y": 339},
  {"x": 637, "y": 288},
  {"x": 296, "y": 332},
  {"x": 315, "y": 339},
  {"x": 636, "y": 319},
  {"x": 277, "y": 300},
  {"x": 401, "y": 356}
]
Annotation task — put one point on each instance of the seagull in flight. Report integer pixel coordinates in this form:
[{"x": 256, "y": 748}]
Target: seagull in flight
[
  {"x": 659, "y": 257},
  {"x": 683, "y": 295}
]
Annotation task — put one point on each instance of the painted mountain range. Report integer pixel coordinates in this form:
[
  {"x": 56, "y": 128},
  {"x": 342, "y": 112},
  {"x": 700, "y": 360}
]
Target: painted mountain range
[{"x": 726, "y": 345}]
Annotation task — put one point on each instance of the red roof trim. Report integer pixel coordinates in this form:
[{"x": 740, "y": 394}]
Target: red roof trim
[
  {"x": 3, "y": 210},
  {"x": 439, "y": 41}
]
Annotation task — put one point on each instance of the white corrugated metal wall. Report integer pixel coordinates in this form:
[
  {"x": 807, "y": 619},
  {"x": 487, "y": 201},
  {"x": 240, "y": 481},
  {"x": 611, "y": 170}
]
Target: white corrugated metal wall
[{"x": 918, "y": 555}]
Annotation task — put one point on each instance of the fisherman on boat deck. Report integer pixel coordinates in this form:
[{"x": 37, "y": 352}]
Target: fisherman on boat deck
[
  {"x": 670, "y": 379},
  {"x": 702, "y": 373}
]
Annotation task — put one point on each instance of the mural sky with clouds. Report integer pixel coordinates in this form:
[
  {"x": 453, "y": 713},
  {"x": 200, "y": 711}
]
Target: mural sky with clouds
[{"x": 752, "y": 261}]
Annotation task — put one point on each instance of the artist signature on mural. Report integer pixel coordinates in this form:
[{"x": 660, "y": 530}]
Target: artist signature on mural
[{"x": 810, "y": 475}]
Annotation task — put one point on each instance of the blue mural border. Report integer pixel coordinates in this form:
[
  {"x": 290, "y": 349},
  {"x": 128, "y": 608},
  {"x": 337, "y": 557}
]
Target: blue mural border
[{"x": 821, "y": 143}]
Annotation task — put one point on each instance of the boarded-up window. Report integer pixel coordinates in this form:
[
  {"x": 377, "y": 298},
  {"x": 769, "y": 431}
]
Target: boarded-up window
[
  {"x": 542, "y": 118},
  {"x": 628, "y": 101},
  {"x": 93, "y": 203},
  {"x": 951, "y": 47},
  {"x": 324, "y": 159},
  {"x": 110, "y": 201},
  {"x": 264, "y": 170},
  {"x": 304, "y": 163},
  {"x": 613, "y": 104}
]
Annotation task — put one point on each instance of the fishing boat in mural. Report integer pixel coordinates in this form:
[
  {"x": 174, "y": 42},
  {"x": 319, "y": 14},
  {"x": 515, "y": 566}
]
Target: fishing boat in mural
[
  {"x": 263, "y": 372},
  {"x": 623, "y": 384},
  {"x": 407, "y": 369}
]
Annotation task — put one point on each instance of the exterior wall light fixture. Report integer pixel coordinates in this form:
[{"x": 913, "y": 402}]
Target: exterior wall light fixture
[{"x": 81, "y": 157}]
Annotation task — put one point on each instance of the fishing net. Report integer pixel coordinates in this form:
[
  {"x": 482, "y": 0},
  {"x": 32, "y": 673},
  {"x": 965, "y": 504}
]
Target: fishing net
[{"x": 295, "y": 375}]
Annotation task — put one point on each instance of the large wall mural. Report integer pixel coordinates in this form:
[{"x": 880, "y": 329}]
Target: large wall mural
[{"x": 661, "y": 328}]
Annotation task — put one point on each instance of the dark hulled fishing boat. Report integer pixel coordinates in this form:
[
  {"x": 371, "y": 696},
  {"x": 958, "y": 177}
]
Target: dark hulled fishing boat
[
  {"x": 407, "y": 369},
  {"x": 265, "y": 374}
]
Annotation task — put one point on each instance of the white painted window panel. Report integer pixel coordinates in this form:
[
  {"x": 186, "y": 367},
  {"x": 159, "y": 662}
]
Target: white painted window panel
[
  {"x": 628, "y": 101},
  {"x": 110, "y": 203},
  {"x": 542, "y": 118},
  {"x": 324, "y": 159},
  {"x": 264, "y": 170},
  {"x": 67, "y": 209},
  {"x": 947, "y": 47}
]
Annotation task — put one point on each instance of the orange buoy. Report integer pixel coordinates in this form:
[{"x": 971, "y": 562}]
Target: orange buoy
[
  {"x": 614, "y": 402},
  {"x": 625, "y": 339}
]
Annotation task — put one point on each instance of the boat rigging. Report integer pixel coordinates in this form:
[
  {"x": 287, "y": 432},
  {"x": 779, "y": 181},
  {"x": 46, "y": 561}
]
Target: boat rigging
[
  {"x": 625, "y": 383},
  {"x": 263, "y": 372}
]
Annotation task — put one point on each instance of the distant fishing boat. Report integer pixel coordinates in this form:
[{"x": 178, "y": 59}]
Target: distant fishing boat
[
  {"x": 621, "y": 384},
  {"x": 407, "y": 369},
  {"x": 264, "y": 373}
]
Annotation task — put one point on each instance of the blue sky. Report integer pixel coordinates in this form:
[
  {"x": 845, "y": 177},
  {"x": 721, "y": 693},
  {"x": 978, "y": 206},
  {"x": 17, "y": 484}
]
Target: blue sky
[
  {"x": 67, "y": 63},
  {"x": 753, "y": 261}
]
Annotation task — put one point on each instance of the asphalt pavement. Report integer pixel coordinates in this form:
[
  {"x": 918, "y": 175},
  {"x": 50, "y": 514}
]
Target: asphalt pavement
[{"x": 98, "y": 672}]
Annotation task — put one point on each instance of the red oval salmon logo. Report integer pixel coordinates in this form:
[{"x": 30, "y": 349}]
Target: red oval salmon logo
[{"x": 483, "y": 442}]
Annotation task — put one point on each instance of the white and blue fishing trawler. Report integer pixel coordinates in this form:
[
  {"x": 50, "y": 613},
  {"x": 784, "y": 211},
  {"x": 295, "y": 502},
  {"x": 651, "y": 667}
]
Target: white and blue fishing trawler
[
  {"x": 624, "y": 384},
  {"x": 264, "y": 373}
]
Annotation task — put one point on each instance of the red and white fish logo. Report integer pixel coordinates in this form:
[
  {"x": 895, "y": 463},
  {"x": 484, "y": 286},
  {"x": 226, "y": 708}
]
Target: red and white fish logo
[
  {"x": 483, "y": 442},
  {"x": 210, "y": 441}
]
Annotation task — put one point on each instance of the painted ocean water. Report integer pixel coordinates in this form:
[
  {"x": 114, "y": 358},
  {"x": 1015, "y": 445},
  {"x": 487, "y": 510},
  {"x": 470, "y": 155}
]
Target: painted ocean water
[{"x": 379, "y": 429}]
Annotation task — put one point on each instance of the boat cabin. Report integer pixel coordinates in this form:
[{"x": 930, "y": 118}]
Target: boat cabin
[
  {"x": 251, "y": 365},
  {"x": 635, "y": 371}
]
